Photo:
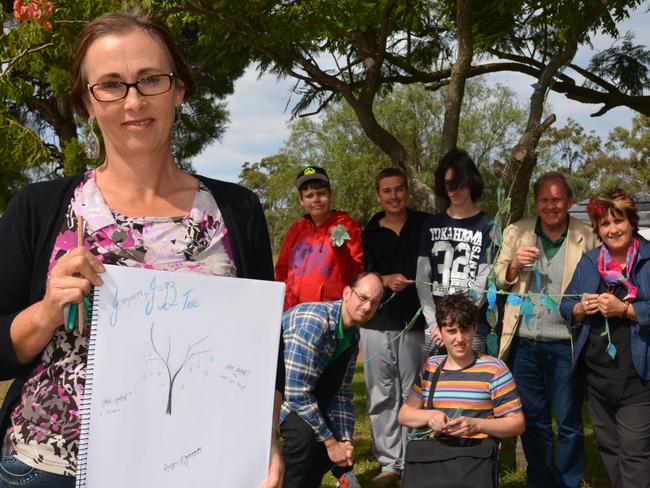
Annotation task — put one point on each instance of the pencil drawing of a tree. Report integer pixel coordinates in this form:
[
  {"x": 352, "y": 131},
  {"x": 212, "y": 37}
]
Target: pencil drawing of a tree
[{"x": 165, "y": 360}]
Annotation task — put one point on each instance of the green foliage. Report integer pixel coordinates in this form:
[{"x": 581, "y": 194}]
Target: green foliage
[
  {"x": 4, "y": 386},
  {"x": 420, "y": 40},
  {"x": 489, "y": 126},
  {"x": 201, "y": 120},
  {"x": 74, "y": 158},
  {"x": 21, "y": 152},
  {"x": 272, "y": 180},
  {"x": 626, "y": 65},
  {"x": 592, "y": 165},
  {"x": 34, "y": 83},
  {"x": 633, "y": 172},
  {"x": 24, "y": 148},
  {"x": 343, "y": 34},
  {"x": 545, "y": 25},
  {"x": 493, "y": 21},
  {"x": 60, "y": 82}
]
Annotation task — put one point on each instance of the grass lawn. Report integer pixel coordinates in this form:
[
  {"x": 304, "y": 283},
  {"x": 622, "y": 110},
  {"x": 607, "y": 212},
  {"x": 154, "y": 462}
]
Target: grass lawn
[{"x": 367, "y": 468}]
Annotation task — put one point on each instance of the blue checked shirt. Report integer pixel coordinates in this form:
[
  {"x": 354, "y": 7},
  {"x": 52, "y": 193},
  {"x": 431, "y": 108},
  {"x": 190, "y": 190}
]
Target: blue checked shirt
[{"x": 309, "y": 331}]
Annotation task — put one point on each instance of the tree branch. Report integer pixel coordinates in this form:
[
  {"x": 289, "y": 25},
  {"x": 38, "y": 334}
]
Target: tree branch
[
  {"x": 594, "y": 78},
  {"x": 320, "y": 107},
  {"x": 153, "y": 346},
  {"x": 384, "y": 31},
  {"x": 518, "y": 58},
  {"x": 458, "y": 77},
  {"x": 9, "y": 62}
]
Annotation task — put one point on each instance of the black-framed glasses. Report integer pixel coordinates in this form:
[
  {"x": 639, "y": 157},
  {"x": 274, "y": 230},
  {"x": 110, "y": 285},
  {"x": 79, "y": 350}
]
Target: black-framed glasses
[
  {"x": 364, "y": 299},
  {"x": 148, "y": 86}
]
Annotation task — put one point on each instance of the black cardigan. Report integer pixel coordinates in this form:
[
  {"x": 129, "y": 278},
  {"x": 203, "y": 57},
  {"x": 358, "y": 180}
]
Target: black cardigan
[{"x": 29, "y": 228}]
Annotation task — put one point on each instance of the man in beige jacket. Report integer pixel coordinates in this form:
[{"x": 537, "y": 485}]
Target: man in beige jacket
[{"x": 539, "y": 256}]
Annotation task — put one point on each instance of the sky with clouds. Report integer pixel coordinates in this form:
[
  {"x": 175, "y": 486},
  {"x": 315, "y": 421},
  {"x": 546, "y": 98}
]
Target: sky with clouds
[{"x": 259, "y": 113}]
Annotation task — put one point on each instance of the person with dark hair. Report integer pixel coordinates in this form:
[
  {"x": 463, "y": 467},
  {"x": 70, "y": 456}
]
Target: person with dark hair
[
  {"x": 463, "y": 174},
  {"x": 475, "y": 396},
  {"x": 538, "y": 256},
  {"x": 137, "y": 209},
  {"x": 317, "y": 417},
  {"x": 455, "y": 244},
  {"x": 390, "y": 245},
  {"x": 608, "y": 307},
  {"x": 322, "y": 250}
]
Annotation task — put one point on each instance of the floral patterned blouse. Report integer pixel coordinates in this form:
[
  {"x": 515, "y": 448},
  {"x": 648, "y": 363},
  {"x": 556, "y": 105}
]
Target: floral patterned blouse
[{"x": 44, "y": 429}]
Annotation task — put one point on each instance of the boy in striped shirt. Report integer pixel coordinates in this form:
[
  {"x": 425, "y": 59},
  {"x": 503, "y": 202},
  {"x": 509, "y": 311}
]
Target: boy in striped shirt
[{"x": 475, "y": 395}]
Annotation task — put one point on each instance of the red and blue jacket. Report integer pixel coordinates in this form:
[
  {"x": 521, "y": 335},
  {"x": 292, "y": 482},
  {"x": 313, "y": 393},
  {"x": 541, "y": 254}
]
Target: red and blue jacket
[{"x": 313, "y": 269}]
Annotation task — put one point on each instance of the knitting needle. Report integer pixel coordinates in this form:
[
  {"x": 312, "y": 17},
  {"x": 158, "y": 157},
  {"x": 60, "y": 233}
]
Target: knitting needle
[{"x": 80, "y": 243}]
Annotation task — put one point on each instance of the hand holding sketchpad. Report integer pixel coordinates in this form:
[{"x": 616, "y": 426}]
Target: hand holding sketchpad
[{"x": 180, "y": 380}]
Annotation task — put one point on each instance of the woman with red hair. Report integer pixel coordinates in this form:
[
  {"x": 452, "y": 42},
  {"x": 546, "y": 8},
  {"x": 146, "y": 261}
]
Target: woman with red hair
[{"x": 609, "y": 310}]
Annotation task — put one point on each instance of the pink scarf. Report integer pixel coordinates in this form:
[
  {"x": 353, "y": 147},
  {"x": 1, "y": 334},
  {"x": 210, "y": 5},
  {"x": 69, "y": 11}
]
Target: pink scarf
[{"x": 611, "y": 270}]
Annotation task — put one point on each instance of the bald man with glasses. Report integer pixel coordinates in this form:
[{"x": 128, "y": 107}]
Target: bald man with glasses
[{"x": 321, "y": 346}]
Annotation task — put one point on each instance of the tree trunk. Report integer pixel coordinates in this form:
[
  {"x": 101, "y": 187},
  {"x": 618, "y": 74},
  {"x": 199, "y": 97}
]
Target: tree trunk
[
  {"x": 168, "y": 411},
  {"x": 400, "y": 157},
  {"x": 459, "y": 72},
  {"x": 524, "y": 155}
]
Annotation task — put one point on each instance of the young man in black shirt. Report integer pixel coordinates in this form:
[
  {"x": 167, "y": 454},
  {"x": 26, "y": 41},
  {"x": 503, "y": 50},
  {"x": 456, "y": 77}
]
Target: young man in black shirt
[{"x": 393, "y": 358}]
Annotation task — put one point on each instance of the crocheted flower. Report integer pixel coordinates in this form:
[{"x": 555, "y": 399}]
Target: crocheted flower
[{"x": 339, "y": 235}]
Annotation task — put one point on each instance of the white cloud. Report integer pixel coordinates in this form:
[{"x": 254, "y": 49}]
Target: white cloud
[{"x": 257, "y": 128}]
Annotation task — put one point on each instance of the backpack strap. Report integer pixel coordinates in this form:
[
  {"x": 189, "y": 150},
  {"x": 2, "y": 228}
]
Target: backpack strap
[{"x": 434, "y": 382}]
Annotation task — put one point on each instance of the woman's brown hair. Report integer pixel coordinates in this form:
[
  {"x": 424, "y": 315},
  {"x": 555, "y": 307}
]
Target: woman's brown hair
[{"x": 617, "y": 202}]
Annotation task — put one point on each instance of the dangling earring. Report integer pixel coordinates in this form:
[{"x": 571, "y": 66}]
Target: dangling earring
[
  {"x": 91, "y": 144},
  {"x": 178, "y": 132}
]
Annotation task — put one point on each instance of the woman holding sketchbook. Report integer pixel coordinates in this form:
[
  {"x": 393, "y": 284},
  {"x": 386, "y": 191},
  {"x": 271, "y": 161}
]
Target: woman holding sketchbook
[{"x": 135, "y": 209}]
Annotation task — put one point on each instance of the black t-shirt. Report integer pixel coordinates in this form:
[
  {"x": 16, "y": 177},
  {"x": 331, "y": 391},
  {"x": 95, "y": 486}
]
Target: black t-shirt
[
  {"x": 613, "y": 380},
  {"x": 386, "y": 252}
]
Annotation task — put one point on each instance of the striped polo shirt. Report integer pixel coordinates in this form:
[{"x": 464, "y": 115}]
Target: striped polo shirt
[{"x": 485, "y": 389}]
